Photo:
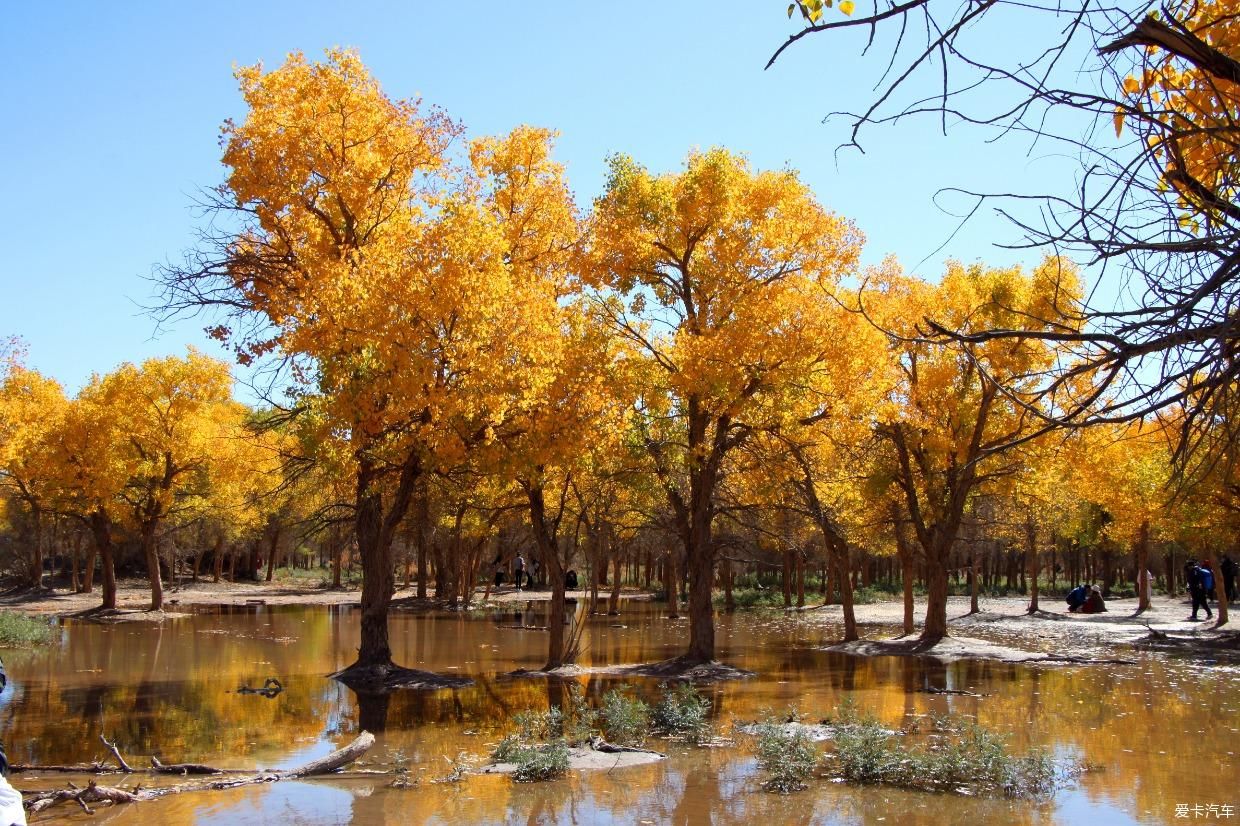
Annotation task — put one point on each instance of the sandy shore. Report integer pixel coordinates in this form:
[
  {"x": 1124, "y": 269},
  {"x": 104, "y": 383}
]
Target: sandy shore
[{"x": 1001, "y": 630}]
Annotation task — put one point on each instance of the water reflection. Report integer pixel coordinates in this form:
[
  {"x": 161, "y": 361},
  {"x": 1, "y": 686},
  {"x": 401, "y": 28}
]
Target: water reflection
[{"x": 170, "y": 691}]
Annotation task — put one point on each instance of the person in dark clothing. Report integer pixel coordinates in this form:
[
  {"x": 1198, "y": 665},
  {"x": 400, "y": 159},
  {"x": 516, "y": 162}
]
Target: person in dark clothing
[
  {"x": 1093, "y": 602},
  {"x": 1230, "y": 569},
  {"x": 1077, "y": 597},
  {"x": 1197, "y": 578},
  {"x": 518, "y": 570},
  {"x": 570, "y": 580}
]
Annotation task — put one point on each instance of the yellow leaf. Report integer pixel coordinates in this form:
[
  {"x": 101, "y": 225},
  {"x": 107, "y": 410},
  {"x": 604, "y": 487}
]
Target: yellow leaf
[
  {"x": 1119, "y": 123},
  {"x": 847, "y": 6},
  {"x": 1131, "y": 85}
]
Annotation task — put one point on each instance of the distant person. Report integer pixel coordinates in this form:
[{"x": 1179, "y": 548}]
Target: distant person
[
  {"x": 499, "y": 576},
  {"x": 1077, "y": 597},
  {"x": 570, "y": 580},
  {"x": 535, "y": 571},
  {"x": 1197, "y": 577},
  {"x": 1094, "y": 603},
  {"x": 1145, "y": 584},
  {"x": 518, "y": 570},
  {"x": 1230, "y": 569}
]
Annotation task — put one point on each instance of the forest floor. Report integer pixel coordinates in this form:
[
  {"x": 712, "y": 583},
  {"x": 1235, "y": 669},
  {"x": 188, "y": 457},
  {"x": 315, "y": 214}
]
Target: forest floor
[{"x": 1001, "y": 630}]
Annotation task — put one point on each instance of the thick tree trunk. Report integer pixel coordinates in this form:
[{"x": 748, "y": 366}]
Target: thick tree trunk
[
  {"x": 101, "y": 529},
  {"x": 376, "y": 528},
  {"x": 1220, "y": 592},
  {"x": 88, "y": 570},
  {"x": 549, "y": 551},
  {"x": 150, "y": 552},
  {"x": 843, "y": 560},
  {"x": 935, "y": 627}
]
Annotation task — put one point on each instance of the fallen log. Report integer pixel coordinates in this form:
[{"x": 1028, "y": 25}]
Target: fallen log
[{"x": 94, "y": 793}]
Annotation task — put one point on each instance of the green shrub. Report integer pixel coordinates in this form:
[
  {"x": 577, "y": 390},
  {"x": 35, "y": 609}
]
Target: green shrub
[
  {"x": 545, "y": 762},
  {"x": 582, "y": 720},
  {"x": 961, "y": 758},
  {"x": 682, "y": 712},
  {"x": 788, "y": 757},
  {"x": 626, "y": 720},
  {"x": 21, "y": 631}
]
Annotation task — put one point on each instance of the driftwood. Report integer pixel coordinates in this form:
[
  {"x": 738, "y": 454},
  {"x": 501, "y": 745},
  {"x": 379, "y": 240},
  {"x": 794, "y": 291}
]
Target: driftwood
[
  {"x": 958, "y": 691},
  {"x": 599, "y": 744},
  {"x": 94, "y": 793},
  {"x": 270, "y": 688}
]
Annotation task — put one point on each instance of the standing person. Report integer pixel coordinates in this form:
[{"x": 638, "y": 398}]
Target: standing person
[
  {"x": 518, "y": 569},
  {"x": 535, "y": 570},
  {"x": 1196, "y": 576},
  {"x": 1230, "y": 569}
]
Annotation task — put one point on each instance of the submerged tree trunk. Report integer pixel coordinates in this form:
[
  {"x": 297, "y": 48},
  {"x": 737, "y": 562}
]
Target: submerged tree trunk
[
  {"x": 549, "y": 551},
  {"x": 376, "y": 527}
]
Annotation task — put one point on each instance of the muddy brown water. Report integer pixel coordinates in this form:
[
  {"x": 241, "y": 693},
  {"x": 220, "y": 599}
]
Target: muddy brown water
[{"x": 1160, "y": 734}]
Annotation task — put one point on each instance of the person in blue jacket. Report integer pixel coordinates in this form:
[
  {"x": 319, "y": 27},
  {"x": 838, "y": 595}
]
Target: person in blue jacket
[{"x": 1077, "y": 597}]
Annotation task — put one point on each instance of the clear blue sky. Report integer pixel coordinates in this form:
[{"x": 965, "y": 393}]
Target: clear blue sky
[{"x": 113, "y": 110}]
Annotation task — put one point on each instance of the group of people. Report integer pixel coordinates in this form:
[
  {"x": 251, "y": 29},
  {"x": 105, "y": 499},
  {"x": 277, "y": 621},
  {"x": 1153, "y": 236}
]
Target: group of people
[
  {"x": 521, "y": 576},
  {"x": 1200, "y": 579},
  {"x": 1086, "y": 599}
]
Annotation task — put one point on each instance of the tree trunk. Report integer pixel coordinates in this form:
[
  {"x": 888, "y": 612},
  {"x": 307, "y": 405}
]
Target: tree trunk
[
  {"x": 376, "y": 528},
  {"x": 1143, "y": 553},
  {"x": 151, "y": 553},
  {"x": 273, "y": 551},
  {"x": 101, "y": 528},
  {"x": 88, "y": 570},
  {"x": 548, "y": 550},
  {"x": 1031, "y": 562},
  {"x": 1220, "y": 592},
  {"x": 613, "y": 603},
  {"x": 671, "y": 584},
  {"x": 935, "y": 627}
]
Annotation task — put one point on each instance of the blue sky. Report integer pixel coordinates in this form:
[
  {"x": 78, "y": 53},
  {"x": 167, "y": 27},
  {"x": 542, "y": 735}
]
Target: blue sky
[{"x": 113, "y": 114}]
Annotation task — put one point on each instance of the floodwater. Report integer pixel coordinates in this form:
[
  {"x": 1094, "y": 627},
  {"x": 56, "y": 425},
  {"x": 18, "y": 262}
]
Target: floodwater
[{"x": 1158, "y": 735}]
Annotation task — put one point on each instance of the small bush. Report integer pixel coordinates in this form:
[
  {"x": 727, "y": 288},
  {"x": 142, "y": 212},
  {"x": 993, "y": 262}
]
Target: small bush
[
  {"x": 21, "y": 631},
  {"x": 582, "y": 720},
  {"x": 788, "y": 757},
  {"x": 682, "y": 712},
  {"x": 545, "y": 762},
  {"x": 537, "y": 726},
  {"x": 962, "y": 757},
  {"x": 626, "y": 720}
]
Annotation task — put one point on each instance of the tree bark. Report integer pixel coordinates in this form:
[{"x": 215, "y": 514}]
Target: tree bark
[
  {"x": 1031, "y": 561},
  {"x": 1143, "y": 561},
  {"x": 101, "y": 529},
  {"x": 549, "y": 551}
]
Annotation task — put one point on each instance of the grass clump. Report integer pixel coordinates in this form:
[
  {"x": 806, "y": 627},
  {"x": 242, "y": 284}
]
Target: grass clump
[
  {"x": 788, "y": 756},
  {"x": 682, "y": 712},
  {"x": 625, "y": 720},
  {"x": 544, "y": 762},
  {"x": 964, "y": 758},
  {"x": 21, "y": 631}
]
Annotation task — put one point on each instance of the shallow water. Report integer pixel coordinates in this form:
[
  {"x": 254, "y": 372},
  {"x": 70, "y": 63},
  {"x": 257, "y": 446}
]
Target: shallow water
[{"x": 1159, "y": 734}]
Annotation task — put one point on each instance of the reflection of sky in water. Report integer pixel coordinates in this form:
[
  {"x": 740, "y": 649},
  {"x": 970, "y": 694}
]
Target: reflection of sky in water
[{"x": 1162, "y": 732}]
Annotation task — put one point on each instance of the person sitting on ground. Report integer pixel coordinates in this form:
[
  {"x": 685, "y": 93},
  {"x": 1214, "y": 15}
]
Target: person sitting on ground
[
  {"x": 1077, "y": 597},
  {"x": 1093, "y": 602}
]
